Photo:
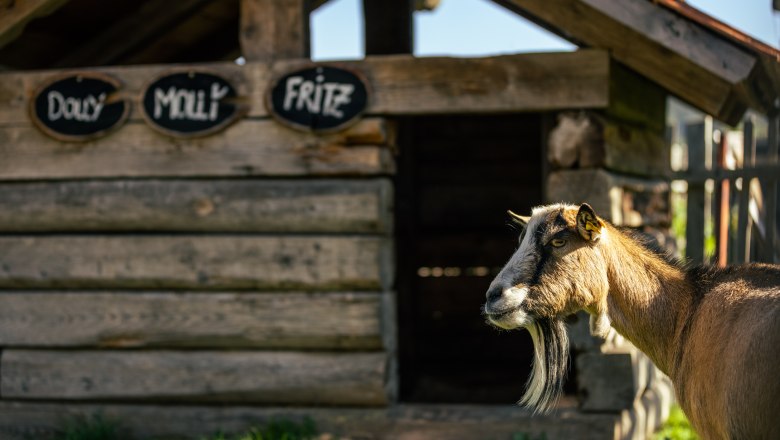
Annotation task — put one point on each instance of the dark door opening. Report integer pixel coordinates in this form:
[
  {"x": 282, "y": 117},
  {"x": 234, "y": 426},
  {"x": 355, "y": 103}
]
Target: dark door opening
[{"x": 457, "y": 177}]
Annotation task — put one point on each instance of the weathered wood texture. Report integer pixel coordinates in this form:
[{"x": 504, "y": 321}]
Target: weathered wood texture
[
  {"x": 198, "y": 205},
  {"x": 612, "y": 381},
  {"x": 635, "y": 100},
  {"x": 18, "y": 13},
  {"x": 249, "y": 148},
  {"x": 225, "y": 376},
  {"x": 146, "y": 24},
  {"x": 704, "y": 69},
  {"x": 399, "y": 422},
  {"x": 589, "y": 140},
  {"x": 621, "y": 199},
  {"x": 388, "y": 26},
  {"x": 401, "y": 84},
  {"x": 195, "y": 262},
  {"x": 203, "y": 320},
  {"x": 274, "y": 29}
]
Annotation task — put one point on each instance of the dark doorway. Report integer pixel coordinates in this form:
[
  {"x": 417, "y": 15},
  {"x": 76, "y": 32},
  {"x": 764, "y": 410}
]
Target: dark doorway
[{"x": 457, "y": 177}]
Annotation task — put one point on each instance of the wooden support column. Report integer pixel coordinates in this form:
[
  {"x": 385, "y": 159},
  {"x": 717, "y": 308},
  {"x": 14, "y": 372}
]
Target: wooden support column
[
  {"x": 388, "y": 26},
  {"x": 274, "y": 29}
]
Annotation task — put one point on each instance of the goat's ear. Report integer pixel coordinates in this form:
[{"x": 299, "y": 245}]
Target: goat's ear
[
  {"x": 588, "y": 224},
  {"x": 520, "y": 220}
]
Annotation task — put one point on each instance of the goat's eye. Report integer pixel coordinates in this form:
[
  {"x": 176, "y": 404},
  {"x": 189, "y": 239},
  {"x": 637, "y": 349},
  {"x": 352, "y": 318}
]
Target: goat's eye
[{"x": 557, "y": 242}]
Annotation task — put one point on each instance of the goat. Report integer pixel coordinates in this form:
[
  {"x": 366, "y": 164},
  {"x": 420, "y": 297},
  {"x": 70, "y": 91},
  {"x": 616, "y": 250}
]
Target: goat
[{"x": 714, "y": 332}]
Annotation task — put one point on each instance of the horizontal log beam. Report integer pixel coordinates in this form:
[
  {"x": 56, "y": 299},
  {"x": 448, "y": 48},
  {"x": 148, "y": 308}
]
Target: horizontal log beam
[
  {"x": 195, "y": 262},
  {"x": 18, "y": 13},
  {"x": 250, "y": 148},
  {"x": 288, "y": 320},
  {"x": 22, "y": 420},
  {"x": 258, "y": 377},
  {"x": 198, "y": 205},
  {"x": 400, "y": 84},
  {"x": 708, "y": 71}
]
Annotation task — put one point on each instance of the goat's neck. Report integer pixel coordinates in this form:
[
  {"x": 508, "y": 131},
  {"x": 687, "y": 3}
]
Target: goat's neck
[{"x": 648, "y": 298}]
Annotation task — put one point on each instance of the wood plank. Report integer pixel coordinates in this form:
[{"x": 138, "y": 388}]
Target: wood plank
[
  {"x": 198, "y": 205},
  {"x": 401, "y": 84},
  {"x": 527, "y": 82},
  {"x": 274, "y": 29},
  {"x": 218, "y": 376},
  {"x": 635, "y": 151},
  {"x": 397, "y": 422},
  {"x": 130, "y": 33},
  {"x": 323, "y": 321},
  {"x": 683, "y": 57},
  {"x": 249, "y": 148},
  {"x": 195, "y": 262},
  {"x": 694, "y": 227},
  {"x": 388, "y": 26},
  {"x": 19, "y": 12}
]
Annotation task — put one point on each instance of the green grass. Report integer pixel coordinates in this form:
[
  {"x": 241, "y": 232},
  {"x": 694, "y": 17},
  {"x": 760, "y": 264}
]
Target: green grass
[
  {"x": 676, "y": 427},
  {"x": 96, "y": 427},
  {"x": 275, "y": 430}
]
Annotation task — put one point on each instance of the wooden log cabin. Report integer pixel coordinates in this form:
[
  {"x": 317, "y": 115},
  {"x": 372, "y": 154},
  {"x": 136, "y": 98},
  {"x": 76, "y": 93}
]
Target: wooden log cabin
[{"x": 183, "y": 282}]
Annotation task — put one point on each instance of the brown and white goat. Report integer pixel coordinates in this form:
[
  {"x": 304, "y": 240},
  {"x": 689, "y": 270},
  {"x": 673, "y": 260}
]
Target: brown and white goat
[{"x": 714, "y": 332}]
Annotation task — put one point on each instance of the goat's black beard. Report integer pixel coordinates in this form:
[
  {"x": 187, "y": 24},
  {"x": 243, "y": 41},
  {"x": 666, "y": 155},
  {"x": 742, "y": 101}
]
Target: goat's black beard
[{"x": 551, "y": 362}]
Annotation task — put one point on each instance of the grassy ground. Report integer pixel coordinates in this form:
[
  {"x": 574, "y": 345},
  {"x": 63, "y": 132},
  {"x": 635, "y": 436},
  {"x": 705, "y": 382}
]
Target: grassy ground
[
  {"x": 98, "y": 427},
  {"x": 676, "y": 427}
]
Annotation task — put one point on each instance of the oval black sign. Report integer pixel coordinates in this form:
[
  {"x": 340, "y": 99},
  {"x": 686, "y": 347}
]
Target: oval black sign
[
  {"x": 190, "y": 104},
  {"x": 321, "y": 98},
  {"x": 78, "y": 107}
]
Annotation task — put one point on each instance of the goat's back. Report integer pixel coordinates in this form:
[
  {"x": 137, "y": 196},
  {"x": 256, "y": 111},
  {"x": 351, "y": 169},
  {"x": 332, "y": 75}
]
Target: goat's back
[{"x": 727, "y": 378}]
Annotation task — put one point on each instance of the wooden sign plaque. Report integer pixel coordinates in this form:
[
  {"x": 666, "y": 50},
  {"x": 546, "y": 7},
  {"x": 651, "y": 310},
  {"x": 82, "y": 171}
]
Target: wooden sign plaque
[
  {"x": 79, "y": 106},
  {"x": 318, "y": 99},
  {"x": 189, "y": 104}
]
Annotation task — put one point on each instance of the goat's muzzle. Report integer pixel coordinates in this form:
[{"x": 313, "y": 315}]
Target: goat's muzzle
[{"x": 504, "y": 307}]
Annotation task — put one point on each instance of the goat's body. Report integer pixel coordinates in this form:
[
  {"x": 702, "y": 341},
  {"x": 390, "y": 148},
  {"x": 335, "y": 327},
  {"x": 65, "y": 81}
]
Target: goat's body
[
  {"x": 726, "y": 369},
  {"x": 715, "y": 332}
]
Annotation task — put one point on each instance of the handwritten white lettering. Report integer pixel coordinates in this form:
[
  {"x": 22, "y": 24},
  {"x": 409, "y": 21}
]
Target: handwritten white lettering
[
  {"x": 70, "y": 108},
  {"x": 318, "y": 96},
  {"x": 189, "y": 104}
]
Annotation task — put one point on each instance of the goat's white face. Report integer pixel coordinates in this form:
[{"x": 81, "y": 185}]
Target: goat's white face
[{"x": 554, "y": 272}]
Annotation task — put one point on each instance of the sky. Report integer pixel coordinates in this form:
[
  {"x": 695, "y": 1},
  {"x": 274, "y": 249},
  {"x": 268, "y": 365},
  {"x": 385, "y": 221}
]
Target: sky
[{"x": 481, "y": 28}]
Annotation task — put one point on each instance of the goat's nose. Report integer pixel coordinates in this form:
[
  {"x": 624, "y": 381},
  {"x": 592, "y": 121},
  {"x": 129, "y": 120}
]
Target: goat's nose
[{"x": 494, "y": 293}]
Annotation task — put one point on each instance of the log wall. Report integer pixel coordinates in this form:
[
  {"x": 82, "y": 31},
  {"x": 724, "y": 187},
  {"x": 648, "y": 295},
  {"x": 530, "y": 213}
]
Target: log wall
[{"x": 251, "y": 266}]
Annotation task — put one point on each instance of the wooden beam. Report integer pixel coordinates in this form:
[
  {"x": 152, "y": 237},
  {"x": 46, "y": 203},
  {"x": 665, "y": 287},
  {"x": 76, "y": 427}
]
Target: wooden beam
[
  {"x": 250, "y": 148},
  {"x": 130, "y": 33},
  {"x": 207, "y": 36},
  {"x": 324, "y": 321},
  {"x": 274, "y": 29},
  {"x": 22, "y": 420},
  {"x": 400, "y": 84},
  {"x": 18, "y": 13},
  {"x": 309, "y": 263},
  {"x": 388, "y": 26},
  {"x": 335, "y": 205},
  {"x": 355, "y": 379},
  {"x": 683, "y": 57}
]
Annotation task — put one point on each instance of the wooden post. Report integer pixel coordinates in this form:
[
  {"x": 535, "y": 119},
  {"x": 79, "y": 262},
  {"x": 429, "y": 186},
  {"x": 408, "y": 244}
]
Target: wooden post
[
  {"x": 388, "y": 26},
  {"x": 274, "y": 29},
  {"x": 771, "y": 192},
  {"x": 694, "y": 230},
  {"x": 724, "y": 205},
  {"x": 743, "y": 219}
]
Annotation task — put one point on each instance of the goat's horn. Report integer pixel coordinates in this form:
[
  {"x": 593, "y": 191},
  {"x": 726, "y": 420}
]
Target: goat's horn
[{"x": 523, "y": 220}]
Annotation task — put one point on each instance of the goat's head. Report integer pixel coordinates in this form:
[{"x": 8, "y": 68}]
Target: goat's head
[{"x": 557, "y": 270}]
